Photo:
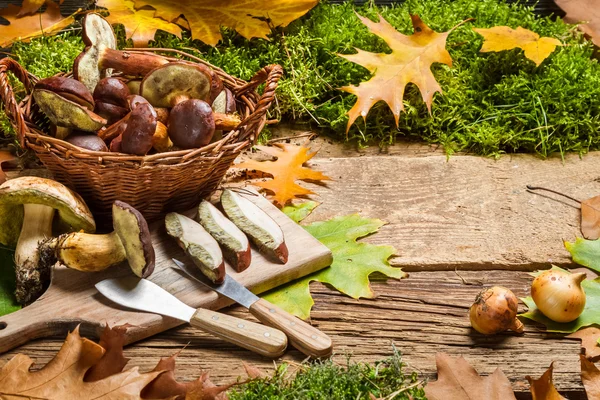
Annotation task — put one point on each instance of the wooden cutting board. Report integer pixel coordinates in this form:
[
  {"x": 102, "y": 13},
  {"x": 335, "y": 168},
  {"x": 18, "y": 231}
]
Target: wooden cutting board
[{"x": 72, "y": 298}]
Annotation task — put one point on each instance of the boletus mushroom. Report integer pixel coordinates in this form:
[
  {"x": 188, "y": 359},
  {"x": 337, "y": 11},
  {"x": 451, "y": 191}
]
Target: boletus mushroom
[
  {"x": 100, "y": 56},
  {"x": 67, "y": 103},
  {"x": 87, "y": 141},
  {"x": 28, "y": 207},
  {"x": 111, "y": 96},
  {"x": 224, "y": 103},
  {"x": 130, "y": 241}
]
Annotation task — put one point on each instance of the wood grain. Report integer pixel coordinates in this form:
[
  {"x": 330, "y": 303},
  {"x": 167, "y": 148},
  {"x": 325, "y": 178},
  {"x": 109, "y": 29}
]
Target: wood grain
[{"x": 72, "y": 298}]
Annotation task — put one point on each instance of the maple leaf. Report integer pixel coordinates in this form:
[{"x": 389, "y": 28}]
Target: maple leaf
[
  {"x": 352, "y": 264},
  {"x": 250, "y": 18},
  {"x": 590, "y": 376},
  {"x": 458, "y": 380},
  {"x": 589, "y": 341},
  {"x": 62, "y": 377},
  {"x": 585, "y": 252},
  {"x": 29, "y": 7},
  {"x": 285, "y": 171},
  {"x": 587, "y": 11},
  {"x": 499, "y": 38},
  {"x": 26, "y": 28},
  {"x": 543, "y": 388},
  {"x": 410, "y": 61},
  {"x": 300, "y": 211},
  {"x": 140, "y": 25}
]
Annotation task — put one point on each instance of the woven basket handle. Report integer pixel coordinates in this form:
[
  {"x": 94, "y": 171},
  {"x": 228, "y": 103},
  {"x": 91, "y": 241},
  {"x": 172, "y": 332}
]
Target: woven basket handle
[
  {"x": 271, "y": 75},
  {"x": 11, "y": 107}
]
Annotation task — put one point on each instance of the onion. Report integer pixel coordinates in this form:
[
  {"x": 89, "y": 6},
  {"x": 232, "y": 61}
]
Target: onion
[
  {"x": 558, "y": 294},
  {"x": 494, "y": 311}
]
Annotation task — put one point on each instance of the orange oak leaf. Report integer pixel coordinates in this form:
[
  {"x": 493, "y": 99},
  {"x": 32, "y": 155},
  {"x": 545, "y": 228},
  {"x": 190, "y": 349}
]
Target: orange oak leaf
[
  {"x": 62, "y": 377},
  {"x": 140, "y": 25},
  {"x": 589, "y": 341},
  {"x": 113, "y": 361},
  {"x": 30, "y": 7},
  {"x": 410, "y": 61},
  {"x": 590, "y": 376},
  {"x": 286, "y": 170},
  {"x": 501, "y": 38},
  {"x": 5, "y": 156},
  {"x": 250, "y": 18},
  {"x": 458, "y": 380},
  {"x": 543, "y": 388},
  {"x": 26, "y": 28},
  {"x": 586, "y": 13}
]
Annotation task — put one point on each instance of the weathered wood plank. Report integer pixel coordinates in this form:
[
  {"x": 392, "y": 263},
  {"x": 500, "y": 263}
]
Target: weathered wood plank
[{"x": 421, "y": 315}]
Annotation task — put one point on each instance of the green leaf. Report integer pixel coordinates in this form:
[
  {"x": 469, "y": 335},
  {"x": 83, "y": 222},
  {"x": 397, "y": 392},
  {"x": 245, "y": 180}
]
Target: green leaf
[
  {"x": 298, "y": 212},
  {"x": 585, "y": 252},
  {"x": 589, "y": 316},
  {"x": 352, "y": 265},
  {"x": 8, "y": 303}
]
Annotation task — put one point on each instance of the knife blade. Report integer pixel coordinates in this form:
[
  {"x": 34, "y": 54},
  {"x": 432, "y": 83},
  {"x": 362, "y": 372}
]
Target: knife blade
[
  {"x": 143, "y": 295},
  {"x": 301, "y": 335}
]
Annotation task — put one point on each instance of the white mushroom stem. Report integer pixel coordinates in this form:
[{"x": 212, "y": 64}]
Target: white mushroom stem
[{"x": 37, "y": 227}]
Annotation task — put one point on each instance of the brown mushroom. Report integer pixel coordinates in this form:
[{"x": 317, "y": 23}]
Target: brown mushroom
[
  {"x": 191, "y": 124},
  {"x": 69, "y": 88},
  {"x": 224, "y": 103},
  {"x": 137, "y": 136},
  {"x": 86, "y": 141},
  {"x": 110, "y": 96},
  {"x": 160, "y": 140},
  {"x": 115, "y": 144},
  {"x": 100, "y": 56}
]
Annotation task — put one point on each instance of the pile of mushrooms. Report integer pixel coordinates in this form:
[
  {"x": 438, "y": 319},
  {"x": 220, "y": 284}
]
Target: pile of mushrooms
[{"x": 152, "y": 105}]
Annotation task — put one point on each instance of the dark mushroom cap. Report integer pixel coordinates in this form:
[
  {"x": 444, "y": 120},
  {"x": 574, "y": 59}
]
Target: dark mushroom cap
[
  {"x": 216, "y": 85},
  {"x": 115, "y": 144},
  {"x": 69, "y": 88},
  {"x": 132, "y": 229},
  {"x": 65, "y": 113},
  {"x": 137, "y": 137},
  {"x": 135, "y": 100},
  {"x": 165, "y": 86},
  {"x": 87, "y": 141},
  {"x": 191, "y": 124},
  {"x": 112, "y": 91},
  {"x": 110, "y": 112}
]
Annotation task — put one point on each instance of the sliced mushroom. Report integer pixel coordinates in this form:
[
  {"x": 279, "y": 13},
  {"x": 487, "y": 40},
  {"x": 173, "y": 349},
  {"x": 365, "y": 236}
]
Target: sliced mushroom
[
  {"x": 198, "y": 244},
  {"x": 27, "y": 211},
  {"x": 257, "y": 224},
  {"x": 224, "y": 103},
  {"x": 87, "y": 141},
  {"x": 234, "y": 243},
  {"x": 100, "y": 56},
  {"x": 130, "y": 241}
]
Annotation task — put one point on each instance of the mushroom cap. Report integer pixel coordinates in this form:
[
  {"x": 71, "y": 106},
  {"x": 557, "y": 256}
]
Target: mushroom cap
[
  {"x": 134, "y": 100},
  {"x": 112, "y": 91},
  {"x": 191, "y": 124},
  {"x": 73, "y": 214},
  {"x": 87, "y": 141},
  {"x": 137, "y": 137},
  {"x": 63, "y": 112},
  {"x": 69, "y": 88},
  {"x": 163, "y": 86},
  {"x": 111, "y": 112},
  {"x": 97, "y": 35},
  {"x": 132, "y": 228},
  {"x": 216, "y": 85}
]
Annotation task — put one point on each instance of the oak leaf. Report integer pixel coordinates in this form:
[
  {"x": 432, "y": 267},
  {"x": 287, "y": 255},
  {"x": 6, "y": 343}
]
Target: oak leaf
[
  {"x": 543, "y": 388},
  {"x": 5, "y": 156},
  {"x": 458, "y": 380},
  {"x": 410, "y": 61},
  {"x": 113, "y": 361},
  {"x": 250, "y": 18},
  {"x": 285, "y": 170},
  {"x": 352, "y": 264},
  {"x": 589, "y": 342},
  {"x": 590, "y": 218},
  {"x": 586, "y": 13},
  {"x": 499, "y": 38},
  {"x": 590, "y": 376},
  {"x": 140, "y": 25},
  {"x": 26, "y": 28},
  {"x": 62, "y": 377}
]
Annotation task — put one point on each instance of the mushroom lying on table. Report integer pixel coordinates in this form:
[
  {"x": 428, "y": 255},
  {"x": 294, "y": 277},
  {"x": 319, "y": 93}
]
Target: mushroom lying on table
[{"x": 27, "y": 209}]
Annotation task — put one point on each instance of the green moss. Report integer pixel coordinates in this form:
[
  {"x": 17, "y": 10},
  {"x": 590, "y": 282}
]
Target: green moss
[{"x": 326, "y": 380}]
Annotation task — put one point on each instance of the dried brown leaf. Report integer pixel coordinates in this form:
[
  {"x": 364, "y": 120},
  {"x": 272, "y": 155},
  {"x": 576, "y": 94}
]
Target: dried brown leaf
[
  {"x": 458, "y": 380},
  {"x": 253, "y": 371},
  {"x": 590, "y": 218},
  {"x": 586, "y": 13},
  {"x": 590, "y": 376},
  {"x": 543, "y": 388},
  {"x": 30, "y": 7},
  {"x": 113, "y": 361},
  {"x": 589, "y": 342}
]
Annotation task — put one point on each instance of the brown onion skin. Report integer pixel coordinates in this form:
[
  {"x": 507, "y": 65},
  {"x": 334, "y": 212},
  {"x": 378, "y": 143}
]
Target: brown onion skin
[
  {"x": 558, "y": 295},
  {"x": 494, "y": 311}
]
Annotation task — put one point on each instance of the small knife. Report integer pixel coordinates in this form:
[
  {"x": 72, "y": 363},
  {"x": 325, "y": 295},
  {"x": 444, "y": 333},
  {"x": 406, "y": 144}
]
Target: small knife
[
  {"x": 304, "y": 337},
  {"x": 143, "y": 295}
]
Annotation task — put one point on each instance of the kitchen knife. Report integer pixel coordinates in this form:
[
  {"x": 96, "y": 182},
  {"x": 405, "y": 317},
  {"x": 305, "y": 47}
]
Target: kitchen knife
[
  {"x": 303, "y": 336},
  {"x": 143, "y": 295}
]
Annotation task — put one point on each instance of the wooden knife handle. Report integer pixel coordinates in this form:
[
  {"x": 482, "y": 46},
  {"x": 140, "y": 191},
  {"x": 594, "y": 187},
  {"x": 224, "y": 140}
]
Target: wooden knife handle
[
  {"x": 303, "y": 336},
  {"x": 249, "y": 335}
]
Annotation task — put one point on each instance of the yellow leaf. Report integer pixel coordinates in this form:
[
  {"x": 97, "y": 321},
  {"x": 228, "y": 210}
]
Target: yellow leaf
[
  {"x": 409, "y": 61},
  {"x": 285, "y": 171},
  {"x": 26, "y": 28},
  {"x": 140, "y": 25},
  {"x": 501, "y": 38},
  {"x": 250, "y": 18}
]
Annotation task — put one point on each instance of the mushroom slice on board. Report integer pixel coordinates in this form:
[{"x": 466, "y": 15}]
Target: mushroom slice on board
[
  {"x": 130, "y": 241},
  {"x": 27, "y": 209},
  {"x": 233, "y": 241},
  {"x": 202, "y": 248},
  {"x": 257, "y": 224}
]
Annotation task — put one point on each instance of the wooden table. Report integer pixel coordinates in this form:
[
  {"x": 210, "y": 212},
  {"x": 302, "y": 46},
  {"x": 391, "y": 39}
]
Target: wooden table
[{"x": 458, "y": 224}]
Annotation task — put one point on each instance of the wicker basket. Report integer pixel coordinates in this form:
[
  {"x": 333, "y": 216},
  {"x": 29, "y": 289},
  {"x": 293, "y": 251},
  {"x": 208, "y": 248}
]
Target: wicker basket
[{"x": 154, "y": 184}]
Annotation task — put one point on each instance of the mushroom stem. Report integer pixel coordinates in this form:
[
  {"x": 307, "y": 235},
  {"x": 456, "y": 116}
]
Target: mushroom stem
[
  {"x": 130, "y": 63},
  {"x": 31, "y": 275},
  {"x": 226, "y": 122}
]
